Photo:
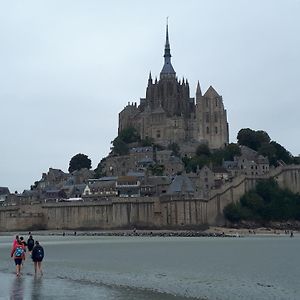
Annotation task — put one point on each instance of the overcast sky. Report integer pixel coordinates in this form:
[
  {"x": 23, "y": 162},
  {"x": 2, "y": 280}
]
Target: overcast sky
[{"x": 67, "y": 68}]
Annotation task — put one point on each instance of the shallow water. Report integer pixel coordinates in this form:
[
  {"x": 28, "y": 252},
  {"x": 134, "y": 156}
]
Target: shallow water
[{"x": 131, "y": 268}]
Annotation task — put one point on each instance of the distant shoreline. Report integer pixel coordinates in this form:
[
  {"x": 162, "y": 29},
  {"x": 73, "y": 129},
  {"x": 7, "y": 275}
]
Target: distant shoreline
[{"x": 210, "y": 232}]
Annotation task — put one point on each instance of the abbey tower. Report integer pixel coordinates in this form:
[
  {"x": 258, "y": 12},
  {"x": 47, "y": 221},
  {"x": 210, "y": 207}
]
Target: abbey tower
[{"x": 169, "y": 115}]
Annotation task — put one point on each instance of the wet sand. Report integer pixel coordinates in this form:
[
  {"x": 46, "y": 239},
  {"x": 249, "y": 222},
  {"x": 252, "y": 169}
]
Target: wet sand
[{"x": 156, "y": 267}]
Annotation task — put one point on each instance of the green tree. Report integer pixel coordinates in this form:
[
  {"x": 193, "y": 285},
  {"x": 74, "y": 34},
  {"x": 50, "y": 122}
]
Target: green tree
[
  {"x": 119, "y": 147},
  {"x": 268, "y": 150},
  {"x": 252, "y": 139},
  {"x": 203, "y": 149},
  {"x": 129, "y": 135},
  {"x": 231, "y": 150},
  {"x": 157, "y": 169},
  {"x": 78, "y": 162},
  {"x": 232, "y": 212},
  {"x": 282, "y": 153},
  {"x": 147, "y": 142},
  {"x": 267, "y": 202},
  {"x": 192, "y": 163}
]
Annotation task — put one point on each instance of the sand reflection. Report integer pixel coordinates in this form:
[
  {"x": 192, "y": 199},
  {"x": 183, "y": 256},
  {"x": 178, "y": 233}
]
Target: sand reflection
[
  {"x": 17, "y": 289},
  {"x": 36, "y": 289}
]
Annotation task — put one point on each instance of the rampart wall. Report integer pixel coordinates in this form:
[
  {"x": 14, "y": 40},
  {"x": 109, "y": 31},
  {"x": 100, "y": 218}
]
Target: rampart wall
[{"x": 151, "y": 212}]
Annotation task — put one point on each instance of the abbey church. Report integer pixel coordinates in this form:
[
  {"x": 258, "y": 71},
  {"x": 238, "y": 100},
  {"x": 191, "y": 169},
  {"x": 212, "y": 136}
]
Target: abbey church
[{"x": 169, "y": 115}]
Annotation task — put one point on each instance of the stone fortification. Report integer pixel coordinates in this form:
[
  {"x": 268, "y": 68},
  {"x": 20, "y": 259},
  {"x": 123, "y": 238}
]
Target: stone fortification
[{"x": 152, "y": 212}]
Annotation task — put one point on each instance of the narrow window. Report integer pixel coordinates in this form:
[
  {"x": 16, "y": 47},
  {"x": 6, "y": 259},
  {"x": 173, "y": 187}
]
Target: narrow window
[
  {"x": 216, "y": 130},
  {"x": 207, "y": 117},
  {"x": 207, "y": 130},
  {"x": 158, "y": 134}
]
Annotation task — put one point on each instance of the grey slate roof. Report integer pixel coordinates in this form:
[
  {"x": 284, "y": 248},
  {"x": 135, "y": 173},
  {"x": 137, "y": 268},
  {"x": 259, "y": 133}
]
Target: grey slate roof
[
  {"x": 146, "y": 160},
  {"x": 136, "y": 174},
  {"x": 181, "y": 185},
  {"x": 4, "y": 191},
  {"x": 168, "y": 68}
]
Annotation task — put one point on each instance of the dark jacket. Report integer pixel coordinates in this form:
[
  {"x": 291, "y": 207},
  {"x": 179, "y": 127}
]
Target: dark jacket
[
  {"x": 30, "y": 244},
  {"x": 37, "y": 253}
]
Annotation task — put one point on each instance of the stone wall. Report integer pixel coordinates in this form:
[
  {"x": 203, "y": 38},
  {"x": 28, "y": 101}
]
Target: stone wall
[
  {"x": 25, "y": 217},
  {"x": 151, "y": 212}
]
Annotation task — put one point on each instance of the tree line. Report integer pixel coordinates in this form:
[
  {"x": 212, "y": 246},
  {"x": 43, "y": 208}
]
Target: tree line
[{"x": 267, "y": 202}]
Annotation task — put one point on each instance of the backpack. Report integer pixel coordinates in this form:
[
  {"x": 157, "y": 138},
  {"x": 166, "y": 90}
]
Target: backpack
[
  {"x": 30, "y": 243},
  {"x": 19, "y": 252},
  {"x": 39, "y": 253}
]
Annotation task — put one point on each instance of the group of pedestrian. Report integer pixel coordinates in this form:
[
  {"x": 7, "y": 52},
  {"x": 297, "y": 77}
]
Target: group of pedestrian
[{"x": 35, "y": 251}]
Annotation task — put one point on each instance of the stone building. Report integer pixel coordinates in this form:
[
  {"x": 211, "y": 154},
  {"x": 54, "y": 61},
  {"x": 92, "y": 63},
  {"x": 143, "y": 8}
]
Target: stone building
[
  {"x": 101, "y": 188},
  {"x": 203, "y": 180},
  {"x": 128, "y": 186},
  {"x": 169, "y": 115},
  {"x": 4, "y": 193},
  {"x": 248, "y": 163}
]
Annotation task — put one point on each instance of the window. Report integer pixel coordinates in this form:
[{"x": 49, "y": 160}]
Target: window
[
  {"x": 158, "y": 133},
  {"x": 216, "y": 130},
  {"x": 206, "y": 102},
  {"x": 216, "y": 117},
  {"x": 216, "y": 102},
  {"x": 207, "y": 130},
  {"x": 207, "y": 117}
]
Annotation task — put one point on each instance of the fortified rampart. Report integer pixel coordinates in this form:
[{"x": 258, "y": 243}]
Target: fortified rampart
[{"x": 151, "y": 212}]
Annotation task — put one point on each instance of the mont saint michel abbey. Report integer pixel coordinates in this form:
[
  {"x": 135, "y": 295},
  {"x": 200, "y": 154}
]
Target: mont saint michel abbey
[{"x": 169, "y": 115}]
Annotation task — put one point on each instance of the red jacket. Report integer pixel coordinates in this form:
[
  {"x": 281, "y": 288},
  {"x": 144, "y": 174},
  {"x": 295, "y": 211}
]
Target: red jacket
[{"x": 13, "y": 250}]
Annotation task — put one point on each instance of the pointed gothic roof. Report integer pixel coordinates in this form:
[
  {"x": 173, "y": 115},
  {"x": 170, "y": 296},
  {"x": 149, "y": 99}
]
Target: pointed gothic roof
[
  {"x": 211, "y": 93},
  {"x": 198, "y": 90},
  {"x": 167, "y": 68}
]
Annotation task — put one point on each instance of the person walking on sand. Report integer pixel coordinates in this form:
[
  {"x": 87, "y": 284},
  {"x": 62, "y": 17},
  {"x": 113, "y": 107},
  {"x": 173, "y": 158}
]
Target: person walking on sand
[
  {"x": 18, "y": 254},
  {"x": 37, "y": 256},
  {"x": 23, "y": 243},
  {"x": 15, "y": 242},
  {"x": 30, "y": 244}
]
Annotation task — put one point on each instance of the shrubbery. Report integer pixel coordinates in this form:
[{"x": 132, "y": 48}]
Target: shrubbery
[
  {"x": 268, "y": 202},
  {"x": 203, "y": 156}
]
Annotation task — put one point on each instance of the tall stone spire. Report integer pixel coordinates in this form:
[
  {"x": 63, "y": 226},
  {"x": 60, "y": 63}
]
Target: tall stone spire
[
  {"x": 167, "y": 69},
  {"x": 198, "y": 90},
  {"x": 150, "y": 78}
]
